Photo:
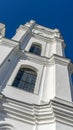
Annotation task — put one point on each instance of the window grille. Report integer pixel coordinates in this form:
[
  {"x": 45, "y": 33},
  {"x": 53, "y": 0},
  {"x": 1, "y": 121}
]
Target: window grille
[
  {"x": 35, "y": 49},
  {"x": 25, "y": 79}
]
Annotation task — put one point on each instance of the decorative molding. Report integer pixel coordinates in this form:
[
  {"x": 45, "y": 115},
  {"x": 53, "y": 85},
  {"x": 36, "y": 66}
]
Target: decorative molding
[
  {"x": 45, "y": 34},
  {"x": 9, "y": 42},
  {"x": 55, "y": 110},
  {"x": 54, "y": 59},
  {"x": 28, "y": 26},
  {"x": 63, "y": 111},
  {"x": 40, "y": 32},
  {"x": 23, "y": 112},
  {"x": 6, "y": 126},
  {"x": 49, "y": 40},
  {"x": 47, "y": 29}
]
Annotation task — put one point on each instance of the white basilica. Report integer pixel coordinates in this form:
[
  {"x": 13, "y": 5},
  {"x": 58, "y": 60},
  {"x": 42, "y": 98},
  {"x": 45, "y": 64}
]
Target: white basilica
[{"x": 36, "y": 90}]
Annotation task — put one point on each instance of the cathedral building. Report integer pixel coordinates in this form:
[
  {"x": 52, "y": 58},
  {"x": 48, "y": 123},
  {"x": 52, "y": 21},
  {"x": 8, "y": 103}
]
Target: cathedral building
[{"x": 36, "y": 90}]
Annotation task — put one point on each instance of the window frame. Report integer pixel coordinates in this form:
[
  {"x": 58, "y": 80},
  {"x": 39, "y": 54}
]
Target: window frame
[
  {"x": 28, "y": 72},
  {"x": 35, "y": 45},
  {"x": 37, "y": 42},
  {"x": 28, "y": 64},
  {"x": 19, "y": 94}
]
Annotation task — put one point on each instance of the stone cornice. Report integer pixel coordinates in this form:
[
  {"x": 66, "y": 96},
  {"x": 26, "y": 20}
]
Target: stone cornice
[
  {"x": 28, "y": 26},
  {"x": 30, "y": 113},
  {"x": 9, "y": 42},
  {"x": 63, "y": 111},
  {"x": 49, "y": 40},
  {"x": 60, "y": 60},
  {"x": 55, "y": 110},
  {"x": 35, "y": 25},
  {"x": 46, "y": 29},
  {"x": 49, "y": 35},
  {"x": 54, "y": 59}
]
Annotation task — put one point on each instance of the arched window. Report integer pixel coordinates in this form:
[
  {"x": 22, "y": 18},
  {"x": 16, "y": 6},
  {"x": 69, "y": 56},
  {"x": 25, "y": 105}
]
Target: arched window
[
  {"x": 25, "y": 79},
  {"x": 36, "y": 49}
]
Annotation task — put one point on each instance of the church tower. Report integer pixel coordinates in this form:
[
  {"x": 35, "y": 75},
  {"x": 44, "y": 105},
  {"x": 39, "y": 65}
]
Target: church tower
[{"x": 36, "y": 90}]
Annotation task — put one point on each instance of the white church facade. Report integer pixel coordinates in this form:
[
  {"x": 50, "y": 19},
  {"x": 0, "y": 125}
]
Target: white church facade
[{"x": 36, "y": 91}]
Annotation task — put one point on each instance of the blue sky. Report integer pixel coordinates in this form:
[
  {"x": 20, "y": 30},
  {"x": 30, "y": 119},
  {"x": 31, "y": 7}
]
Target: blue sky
[{"x": 49, "y": 13}]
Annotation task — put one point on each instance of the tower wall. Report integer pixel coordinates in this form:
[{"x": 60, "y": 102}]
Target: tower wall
[{"x": 38, "y": 52}]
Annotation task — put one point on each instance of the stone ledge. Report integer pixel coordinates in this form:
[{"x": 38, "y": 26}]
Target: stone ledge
[{"x": 40, "y": 114}]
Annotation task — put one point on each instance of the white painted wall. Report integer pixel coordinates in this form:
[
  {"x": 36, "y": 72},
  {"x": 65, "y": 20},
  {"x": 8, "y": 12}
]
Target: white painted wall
[
  {"x": 63, "y": 126},
  {"x": 49, "y": 84},
  {"x": 19, "y": 35},
  {"x": 54, "y": 47},
  {"x": 62, "y": 83},
  {"x": 50, "y": 126},
  {"x": 4, "y": 52}
]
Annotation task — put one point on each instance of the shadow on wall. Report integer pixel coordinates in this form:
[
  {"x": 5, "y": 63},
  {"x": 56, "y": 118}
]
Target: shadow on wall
[
  {"x": 71, "y": 85},
  {"x": 4, "y": 115}
]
